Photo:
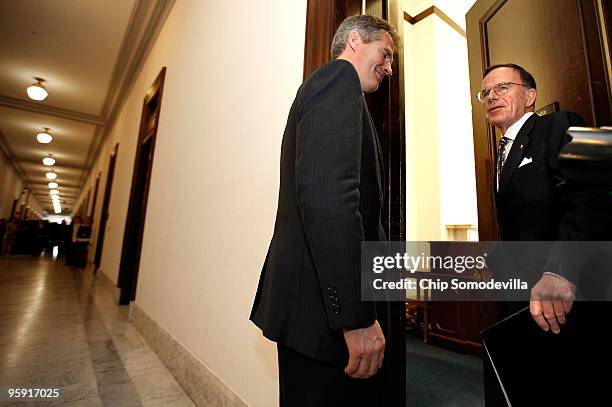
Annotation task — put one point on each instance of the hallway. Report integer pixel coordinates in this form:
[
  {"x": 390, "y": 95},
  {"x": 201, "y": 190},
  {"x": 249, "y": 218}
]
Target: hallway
[{"x": 61, "y": 328}]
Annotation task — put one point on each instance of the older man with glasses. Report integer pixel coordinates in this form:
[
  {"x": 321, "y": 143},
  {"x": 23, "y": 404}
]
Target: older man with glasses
[
  {"x": 533, "y": 204},
  {"x": 530, "y": 205}
]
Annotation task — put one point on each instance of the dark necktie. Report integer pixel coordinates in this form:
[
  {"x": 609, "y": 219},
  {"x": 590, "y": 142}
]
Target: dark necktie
[{"x": 501, "y": 157}]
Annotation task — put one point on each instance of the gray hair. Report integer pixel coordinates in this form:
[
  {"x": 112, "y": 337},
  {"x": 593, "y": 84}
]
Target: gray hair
[{"x": 368, "y": 28}]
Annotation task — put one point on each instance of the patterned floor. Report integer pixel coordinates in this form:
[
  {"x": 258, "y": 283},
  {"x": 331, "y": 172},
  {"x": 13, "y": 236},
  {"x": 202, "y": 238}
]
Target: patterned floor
[{"x": 60, "y": 328}]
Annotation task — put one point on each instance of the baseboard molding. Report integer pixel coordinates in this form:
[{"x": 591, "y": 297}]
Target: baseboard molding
[{"x": 202, "y": 385}]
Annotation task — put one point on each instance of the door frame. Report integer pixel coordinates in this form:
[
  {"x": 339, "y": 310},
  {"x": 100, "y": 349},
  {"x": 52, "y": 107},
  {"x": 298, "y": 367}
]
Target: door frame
[
  {"x": 141, "y": 178},
  {"x": 110, "y": 174}
]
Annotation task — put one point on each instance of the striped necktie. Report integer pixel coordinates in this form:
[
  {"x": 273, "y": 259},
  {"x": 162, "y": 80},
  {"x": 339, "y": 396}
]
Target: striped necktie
[{"x": 501, "y": 157}]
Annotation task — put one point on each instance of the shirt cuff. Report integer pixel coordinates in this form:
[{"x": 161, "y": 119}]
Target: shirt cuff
[{"x": 556, "y": 275}]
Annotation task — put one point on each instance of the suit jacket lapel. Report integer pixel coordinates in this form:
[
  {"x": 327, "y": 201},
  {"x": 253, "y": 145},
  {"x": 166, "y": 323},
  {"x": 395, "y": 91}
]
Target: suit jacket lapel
[{"x": 519, "y": 146}]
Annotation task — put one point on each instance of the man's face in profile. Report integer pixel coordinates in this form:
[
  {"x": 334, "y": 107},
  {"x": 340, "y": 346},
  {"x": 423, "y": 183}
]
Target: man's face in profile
[
  {"x": 506, "y": 109},
  {"x": 373, "y": 61}
]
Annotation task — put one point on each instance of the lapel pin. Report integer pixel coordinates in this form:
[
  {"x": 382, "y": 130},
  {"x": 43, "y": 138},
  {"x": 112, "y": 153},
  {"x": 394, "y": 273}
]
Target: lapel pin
[{"x": 521, "y": 146}]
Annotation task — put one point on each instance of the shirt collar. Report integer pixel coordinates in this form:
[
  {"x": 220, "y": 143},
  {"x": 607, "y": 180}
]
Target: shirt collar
[{"x": 516, "y": 127}]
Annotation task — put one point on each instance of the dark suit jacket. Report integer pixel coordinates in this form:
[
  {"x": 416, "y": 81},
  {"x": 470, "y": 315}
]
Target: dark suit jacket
[
  {"x": 530, "y": 203},
  {"x": 330, "y": 200},
  {"x": 534, "y": 203}
]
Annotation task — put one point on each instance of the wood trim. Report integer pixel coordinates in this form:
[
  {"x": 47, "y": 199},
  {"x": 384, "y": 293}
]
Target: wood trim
[
  {"x": 431, "y": 11},
  {"x": 484, "y": 37},
  {"x": 95, "y": 197},
  {"x": 139, "y": 193},
  {"x": 599, "y": 91},
  {"x": 488, "y": 227}
]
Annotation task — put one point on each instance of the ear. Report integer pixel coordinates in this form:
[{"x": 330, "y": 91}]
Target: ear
[
  {"x": 354, "y": 40},
  {"x": 531, "y": 98}
]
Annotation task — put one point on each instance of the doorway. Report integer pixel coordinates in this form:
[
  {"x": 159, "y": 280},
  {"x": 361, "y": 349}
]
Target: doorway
[
  {"x": 141, "y": 179},
  {"x": 105, "y": 203}
]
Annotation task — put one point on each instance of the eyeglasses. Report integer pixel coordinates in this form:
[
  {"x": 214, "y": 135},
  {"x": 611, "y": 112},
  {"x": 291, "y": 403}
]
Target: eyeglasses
[{"x": 500, "y": 89}]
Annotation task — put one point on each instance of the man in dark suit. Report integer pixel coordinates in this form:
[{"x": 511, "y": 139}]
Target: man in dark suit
[
  {"x": 530, "y": 205},
  {"x": 534, "y": 205},
  {"x": 330, "y": 344}
]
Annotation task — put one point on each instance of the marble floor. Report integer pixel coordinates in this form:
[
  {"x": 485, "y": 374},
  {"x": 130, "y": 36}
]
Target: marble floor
[{"x": 61, "y": 328}]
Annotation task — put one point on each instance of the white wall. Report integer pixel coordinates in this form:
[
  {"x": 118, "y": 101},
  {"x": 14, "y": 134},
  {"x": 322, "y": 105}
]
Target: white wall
[
  {"x": 10, "y": 187},
  {"x": 440, "y": 179},
  {"x": 423, "y": 206},
  {"x": 232, "y": 72},
  {"x": 458, "y": 177}
]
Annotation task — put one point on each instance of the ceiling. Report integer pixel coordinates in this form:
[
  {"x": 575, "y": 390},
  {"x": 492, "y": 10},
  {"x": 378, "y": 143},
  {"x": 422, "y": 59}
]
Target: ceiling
[{"x": 88, "y": 53}]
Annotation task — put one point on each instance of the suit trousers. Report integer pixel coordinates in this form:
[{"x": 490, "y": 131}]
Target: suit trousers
[{"x": 307, "y": 382}]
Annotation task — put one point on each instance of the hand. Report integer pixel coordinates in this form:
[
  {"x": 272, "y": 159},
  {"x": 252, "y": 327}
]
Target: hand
[
  {"x": 551, "y": 300},
  {"x": 366, "y": 348}
]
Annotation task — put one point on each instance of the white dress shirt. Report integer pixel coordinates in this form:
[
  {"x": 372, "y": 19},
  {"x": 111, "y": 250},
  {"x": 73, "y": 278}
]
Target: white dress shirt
[{"x": 511, "y": 134}]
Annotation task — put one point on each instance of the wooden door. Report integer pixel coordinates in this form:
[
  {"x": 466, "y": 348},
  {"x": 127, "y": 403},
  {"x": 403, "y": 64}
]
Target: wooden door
[{"x": 562, "y": 44}]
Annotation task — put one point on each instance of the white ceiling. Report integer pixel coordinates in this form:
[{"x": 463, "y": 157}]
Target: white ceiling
[
  {"x": 72, "y": 44},
  {"x": 87, "y": 51}
]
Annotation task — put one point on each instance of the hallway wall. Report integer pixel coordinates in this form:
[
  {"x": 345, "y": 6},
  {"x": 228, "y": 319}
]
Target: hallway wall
[
  {"x": 440, "y": 176},
  {"x": 10, "y": 187},
  {"x": 232, "y": 72}
]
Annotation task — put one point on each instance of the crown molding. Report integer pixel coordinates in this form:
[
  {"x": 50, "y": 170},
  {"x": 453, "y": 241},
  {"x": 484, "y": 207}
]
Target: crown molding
[
  {"x": 442, "y": 15},
  {"x": 62, "y": 165},
  {"x": 146, "y": 22},
  {"x": 34, "y": 107}
]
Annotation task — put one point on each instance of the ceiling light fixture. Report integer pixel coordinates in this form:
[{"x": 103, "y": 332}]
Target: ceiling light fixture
[
  {"x": 49, "y": 161},
  {"x": 53, "y": 185},
  {"x": 54, "y": 192},
  {"x": 44, "y": 137},
  {"x": 51, "y": 175},
  {"x": 37, "y": 90}
]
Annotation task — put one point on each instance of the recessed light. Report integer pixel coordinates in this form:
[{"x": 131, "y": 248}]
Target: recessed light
[
  {"x": 51, "y": 175},
  {"x": 53, "y": 185},
  {"x": 37, "y": 91},
  {"x": 54, "y": 192}
]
